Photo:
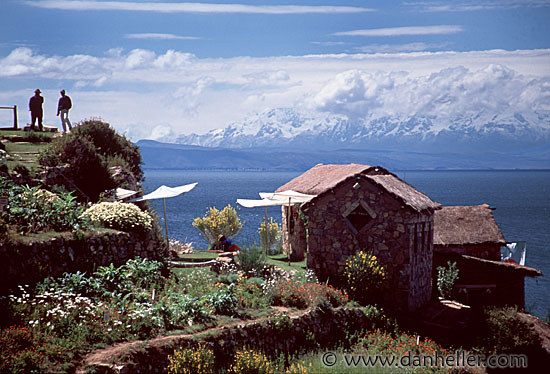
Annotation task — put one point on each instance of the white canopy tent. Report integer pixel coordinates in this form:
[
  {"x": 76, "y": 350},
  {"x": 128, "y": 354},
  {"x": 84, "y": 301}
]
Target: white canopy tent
[
  {"x": 164, "y": 192},
  {"x": 122, "y": 193},
  {"x": 284, "y": 198}
]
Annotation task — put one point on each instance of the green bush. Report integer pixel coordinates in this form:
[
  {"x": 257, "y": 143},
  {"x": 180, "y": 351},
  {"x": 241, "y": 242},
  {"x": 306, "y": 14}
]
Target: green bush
[
  {"x": 120, "y": 216},
  {"x": 446, "y": 279},
  {"x": 504, "y": 332},
  {"x": 222, "y": 301},
  {"x": 251, "y": 260},
  {"x": 198, "y": 360},
  {"x": 110, "y": 144},
  {"x": 215, "y": 222},
  {"x": 89, "y": 149},
  {"x": 364, "y": 276}
]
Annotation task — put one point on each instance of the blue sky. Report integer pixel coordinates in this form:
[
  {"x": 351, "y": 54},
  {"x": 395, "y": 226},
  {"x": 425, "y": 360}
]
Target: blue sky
[{"x": 160, "y": 68}]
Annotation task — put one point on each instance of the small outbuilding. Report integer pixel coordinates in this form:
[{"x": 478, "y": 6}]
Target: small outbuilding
[
  {"x": 470, "y": 236},
  {"x": 468, "y": 230},
  {"x": 361, "y": 207}
]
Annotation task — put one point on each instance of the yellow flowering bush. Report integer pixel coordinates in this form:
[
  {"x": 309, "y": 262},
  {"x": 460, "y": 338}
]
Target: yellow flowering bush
[
  {"x": 299, "y": 368},
  {"x": 364, "y": 275},
  {"x": 250, "y": 361},
  {"x": 274, "y": 234},
  {"x": 199, "y": 360},
  {"x": 119, "y": 216},
  {"x": 216, "y": 222}
]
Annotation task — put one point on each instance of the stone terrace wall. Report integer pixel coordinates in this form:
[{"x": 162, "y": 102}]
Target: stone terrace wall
[
  {"x": 400, "y": 237},
  {"x": 29, "y": 263},
  {"x": 326, "y": 327}
]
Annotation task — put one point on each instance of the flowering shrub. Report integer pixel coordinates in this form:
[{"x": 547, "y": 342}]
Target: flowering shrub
[
  {"x": 299, "y": 368},
  {"x": 273, "y": 234},
  {"x": 400, "y": 344},
  {"x": 249, "y": 293},
  {"x": 19, "y": 353},
  {"x": 119, "y": 216},
  {"x": 292, "y": 293},
  {"x": 364, "y": 275},
  {"x": 250, "y": 361},
  {"x": 199, "y": 360},
  {"x": 216, "y": 222}
]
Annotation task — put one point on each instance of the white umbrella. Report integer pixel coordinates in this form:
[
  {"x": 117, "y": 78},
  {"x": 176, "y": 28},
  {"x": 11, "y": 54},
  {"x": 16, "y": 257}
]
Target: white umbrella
[
  {"x": 277, "y": 198},
  {"x": 164, "y": 192},
  {"x": 122, "y": 193}
]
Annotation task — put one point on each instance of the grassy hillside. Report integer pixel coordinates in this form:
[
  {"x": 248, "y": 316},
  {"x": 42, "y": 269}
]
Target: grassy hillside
[{"x": 23, "y": 147}]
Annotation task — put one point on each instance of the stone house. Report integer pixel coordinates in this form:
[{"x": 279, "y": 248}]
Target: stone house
[
  {"x": 361, "y": 207},
  {"x": 470, "y": 236}
]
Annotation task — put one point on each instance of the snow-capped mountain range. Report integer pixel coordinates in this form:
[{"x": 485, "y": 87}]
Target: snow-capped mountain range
[{"x": 285, "y": 127}]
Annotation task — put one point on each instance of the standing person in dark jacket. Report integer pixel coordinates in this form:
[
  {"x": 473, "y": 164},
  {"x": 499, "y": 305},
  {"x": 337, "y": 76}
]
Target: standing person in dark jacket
[
  {"x": 35, "y": 106},
  {"x": 63, "y": 107}
]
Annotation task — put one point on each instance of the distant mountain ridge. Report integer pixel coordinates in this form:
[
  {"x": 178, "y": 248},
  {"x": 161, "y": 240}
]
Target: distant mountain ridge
[
  {"x": 158, "y": 155},
  {"x": 285, "y": 127}
]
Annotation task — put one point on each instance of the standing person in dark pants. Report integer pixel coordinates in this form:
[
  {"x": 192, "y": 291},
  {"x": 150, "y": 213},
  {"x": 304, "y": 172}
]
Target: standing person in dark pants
[
  {"x": 63, "y": 107},
  {"x": 35, "y": 106}
]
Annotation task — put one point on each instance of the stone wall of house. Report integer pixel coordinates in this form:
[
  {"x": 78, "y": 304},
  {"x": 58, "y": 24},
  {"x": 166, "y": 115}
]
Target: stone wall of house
[
  {"x": 297, "y": 237},
  {"x": 30, "y": 262},
  {"x": 400, "y": 237},
  {"x": 312, "y": 330}
]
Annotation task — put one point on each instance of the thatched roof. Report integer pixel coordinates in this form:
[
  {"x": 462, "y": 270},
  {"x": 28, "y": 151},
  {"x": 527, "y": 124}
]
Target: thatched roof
[
  {"x": 323, "y": 178},
  {"x": 461, "y": 225},
  {"x": 526, "y": 271}
]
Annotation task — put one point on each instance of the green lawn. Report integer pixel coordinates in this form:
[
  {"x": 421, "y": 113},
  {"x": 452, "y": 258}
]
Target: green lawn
[{"x": 277, "y": 260}]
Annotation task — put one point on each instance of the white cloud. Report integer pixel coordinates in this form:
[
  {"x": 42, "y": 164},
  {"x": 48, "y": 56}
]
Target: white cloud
[
  {"x": 158, "y": 36},
  {"x": 392, "y": 48},
  {"x": 471, "y": 6},
  {"x": 444, "y": 95},
  {"x": 400, "y": 31},
  {"x": 183, "y": 7},
  {"x": 138, "y": 90}
]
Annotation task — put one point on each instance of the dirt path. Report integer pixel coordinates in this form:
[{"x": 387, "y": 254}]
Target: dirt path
[{"x": 105, "y": 357}]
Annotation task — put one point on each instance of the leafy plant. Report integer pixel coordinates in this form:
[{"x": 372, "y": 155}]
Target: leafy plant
[
  {"x": 215, "y": 222},
  {"x": 31, "y": 210},
  {"x": 364, "y": 275},
  {"x": 197, "y": 360},
  {"x": 251, "y": 260},
  {"x": 446, "y": 279},
  {"x": 282, "y": 323}
]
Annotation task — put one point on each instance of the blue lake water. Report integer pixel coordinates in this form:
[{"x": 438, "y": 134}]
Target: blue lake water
[{"x": 521, "y": 199}]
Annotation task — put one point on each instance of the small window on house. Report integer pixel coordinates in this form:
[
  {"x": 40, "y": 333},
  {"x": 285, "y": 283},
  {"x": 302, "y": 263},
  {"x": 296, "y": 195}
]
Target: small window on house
[{"x": 359, "y": 215}]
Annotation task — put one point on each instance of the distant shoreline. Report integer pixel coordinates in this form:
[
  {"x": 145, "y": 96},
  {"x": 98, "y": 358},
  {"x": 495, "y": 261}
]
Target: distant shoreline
[{"x": 298, "y": 170}]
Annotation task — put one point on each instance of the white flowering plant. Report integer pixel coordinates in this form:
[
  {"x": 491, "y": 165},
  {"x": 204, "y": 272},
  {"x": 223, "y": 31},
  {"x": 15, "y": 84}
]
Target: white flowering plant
[{"x": 119, "y": 216}]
